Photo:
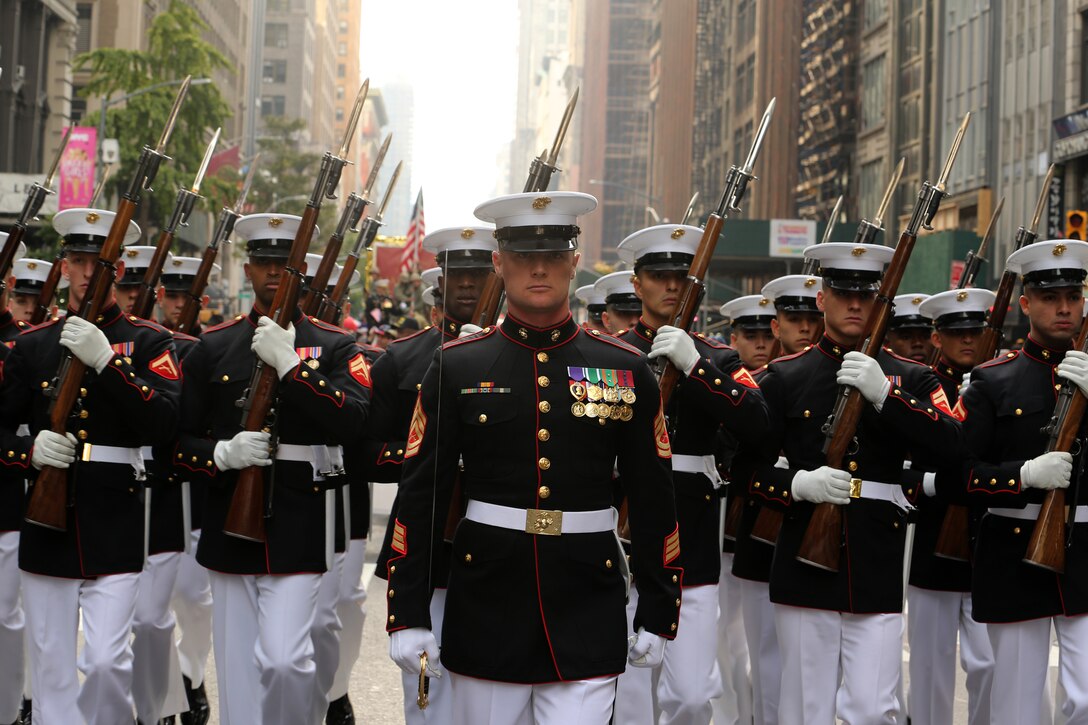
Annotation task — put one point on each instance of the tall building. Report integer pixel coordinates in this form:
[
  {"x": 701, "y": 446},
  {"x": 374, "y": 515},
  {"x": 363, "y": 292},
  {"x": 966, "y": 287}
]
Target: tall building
[
  {"x": 615, "y": 122},
  {"x": 289, "y": 53},
  {"x": 672, "y": 104},
  {"x": 37, "y": 40},
  {"x": 323, "y": 119},
  {"x": 827, "y": 107},
  {"x": 713, "y": 93},
  {"x": 399, "y": 100},
  {"x": 348, "y": 77}
]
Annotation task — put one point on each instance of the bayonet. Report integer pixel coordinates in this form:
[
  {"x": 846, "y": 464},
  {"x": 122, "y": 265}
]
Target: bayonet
[
  {"x": 867, "y": 230},
  {"x": 764, "y": 123},
  {"x": 204, "y": 162},
  {"x": 989, "y": 233},
  {"x": 1040, "y": 205},
  {"x": 172, "y": 119},
  {"x": 952, "y": 153},
  {"x": 930, "y": 195},
  {"x": 543, "y": 166},
  {"x": 561, "y": 134},
  {"x": 353, "y": 119},
  {"x": 332, "y": 165},
  {"x": 56, "y": 159},
  {"x": 376, "y": 167},
  {"x": 389, "y": 191},
  {"x": 239, "y": 205},
  {"x": 107, "y": 172},
  {"x": 691, "y": 208},
  {"x": 737, "y": 180},
  {"x": 832, "y": 220}
]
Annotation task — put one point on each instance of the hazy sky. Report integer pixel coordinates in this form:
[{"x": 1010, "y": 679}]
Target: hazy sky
[{"x": 461, "y": 59}]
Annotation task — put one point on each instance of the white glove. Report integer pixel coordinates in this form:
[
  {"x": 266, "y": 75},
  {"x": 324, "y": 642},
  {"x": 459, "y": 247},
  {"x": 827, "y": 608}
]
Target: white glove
[
  {"x": 468, "y": 329},
  {"x": 53, "y": 449},
  {"x": 824, "y": 485},
  {"x": 1074, "y": 367},
  {"x": 646, "y": 649},
  {"x": 1050, "y": 470},
  {"x": 864, "y": 373},
  {"x": 677, "y": 345},
  {"x": 406, "y": 645},
  {"x": 965, "y": 382},
  {"x": 86, "y": 342},
  {"x": 275, "y": 346},
  {"x": 245, "y": 449}
]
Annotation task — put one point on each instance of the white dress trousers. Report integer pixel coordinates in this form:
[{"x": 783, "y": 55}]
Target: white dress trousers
[
  {"x": 192, "y": 603},
  {"x": 53, "y": 607},
  {"x": 12, "y": 629},
  {"x": 325, "y": 633},
  {"x": 762, "y": 650},
  {"x": 635, "y": 687},
  {"x": 440, "y": 709},
  {"x": 264, "y": 654},
  {"x": 156, "y": 673},
  {"x": 734, "y": 707},
  {"x": 839, "y": 663},
  {"x": 482, "y": 702},
  {"x": 351, "y": 608}
]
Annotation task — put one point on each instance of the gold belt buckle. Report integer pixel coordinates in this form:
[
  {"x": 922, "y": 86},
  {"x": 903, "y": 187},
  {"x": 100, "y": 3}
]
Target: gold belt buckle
[
  {"x": 855, "y": 488},
  {"x": 86, "y": 457},
  {"x": 543, "y": 522}
]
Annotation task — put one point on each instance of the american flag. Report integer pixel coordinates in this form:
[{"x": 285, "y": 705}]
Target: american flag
[{"x": 409, "y": 259}]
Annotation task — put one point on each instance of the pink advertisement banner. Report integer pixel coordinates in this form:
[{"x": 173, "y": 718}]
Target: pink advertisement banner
[{"x": 77, "y": 168}]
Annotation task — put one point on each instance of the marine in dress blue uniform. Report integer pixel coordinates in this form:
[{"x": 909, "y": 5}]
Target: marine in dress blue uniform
[
  {"x": 909, "y": 331},
  {"x": 622, "y": 307},
  {"x": 595, "y": 307}
]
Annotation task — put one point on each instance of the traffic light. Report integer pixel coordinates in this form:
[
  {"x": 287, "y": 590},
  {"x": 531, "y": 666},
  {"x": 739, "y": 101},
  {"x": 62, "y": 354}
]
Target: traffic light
[{"x": 1076, "y": 224}]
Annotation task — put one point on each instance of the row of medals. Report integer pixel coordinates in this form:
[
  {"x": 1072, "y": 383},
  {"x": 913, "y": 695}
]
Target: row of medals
[{"x": 604, "y": 402}]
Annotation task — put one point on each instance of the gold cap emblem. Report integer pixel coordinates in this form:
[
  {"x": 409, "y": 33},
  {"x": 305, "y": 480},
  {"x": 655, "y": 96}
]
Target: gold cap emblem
[
  {"x": 132, "y": 253},
  {"x": 31, "y": 265},
  {"x": 275, "y": 222},
  {"x": 541, "y": 202},
  {"x": 858, "y": 251},
  {"x": 177, "y": 262},
  {"x": 468, "y": 233},
  {"x": 810, "y": 281},
  {"x": 764, "y": 302},
  {"x": 961, "y": 296},
  {"x": 93, "y": 218},
  {"x": 677, "y": 233},
  {"x": 916, "y": 301},
  {"x": 1059, "y": 249}
]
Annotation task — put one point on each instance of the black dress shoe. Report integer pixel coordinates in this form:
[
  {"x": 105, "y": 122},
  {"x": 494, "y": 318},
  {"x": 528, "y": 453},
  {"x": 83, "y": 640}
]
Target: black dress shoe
[
  {"x": 25, "y": 713},
  {"x": 199, "y": 710},
  {"x": 340, "y": 712}
]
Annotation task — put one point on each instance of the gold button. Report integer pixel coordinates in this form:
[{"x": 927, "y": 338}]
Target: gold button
[
  {"x": 544, "y": 464},
  {"x": 1019, "y": 412},
  {"x": 756, "y": 484},
  {"x": 179, "y": 456},
  {"x": 194, "y": 459},
  {"x": 853, "y": 465},
  {"x": 468, "y": 558},
  {"x": 544, "y": 492},
  {"x": 708, "y": 497},
  {"x": 45, "y": 384},
  {"x": 400, "y": 451},
  {"x": 117, "y": 362},
  {"x": 419, "y": 385},
  {"x": 1016, "y": 530},
  {"x": 717, "y": 381},
  {"x": 483, "y": 417},
  {"x": 770, "y": 489},
  {"x": 678, "y": 601},
  {"x": 387, "y": 454},
  {"x": 929, "y": 410},
  {"x": 544, "y": 406},
  {"x": 305, "y": 373},
  {"x": 675, "y": 579},
  {"x": 83, "y": 392},
  {"x": 1012, "y": 482},
  {"x": 913, "y": 401},
  {"x": 836, "y": 350},
  {"x": 226, "y": 378},
  {"x": 607, "y": 563},
  {"x": 317, "y": 489},
  {"x": 82, "y": 435},
  {"x": 83, "y": 414},
  {"x": 393, "y": 569},
  {"x": 321, "y": 383},
  {"x": 673, "y": 626},
  {"x": 209, "y": 464},
  {"x": 542, "y": 357},
  {"x": 807, "y": 413},
  {"x": 392, "y": 618},
  {"x": 976, "y": 480},
  {"x": 337, "y": 393},
  {"x": 701, "y": 371},
  {"x": 993, "y": 481},
  {"x": 543, "y": 381},
  {"x": 895, "y": 524},
  {"x": 910, "y": 491},
  {"x": 543, "y": 434},
  {"x": 391, "y": 593},
  {"x": 143, "y": 388}
]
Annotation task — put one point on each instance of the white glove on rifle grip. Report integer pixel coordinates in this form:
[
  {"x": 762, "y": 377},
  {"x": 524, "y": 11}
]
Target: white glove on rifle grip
[
  {"x": 86, "y": 342},
  {"x": 677, "y": 345},
  {"x": 824, "y": 485},
  {"x": 1050, "y": 470},
  {"x": 406, "y": 645},
  {"x": 468, "y": 329},
  {"x": 245, "y": 449},
  {"x": 53, "y": 449},
  {"x": 864, "y": 373},
  {"x": 1074, "y": 367},
  {"x": 647, "y": 649},
  {"x": 275, "y": 346}
]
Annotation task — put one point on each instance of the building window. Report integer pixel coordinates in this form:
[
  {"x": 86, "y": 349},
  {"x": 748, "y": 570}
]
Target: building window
[
  {"x": 277, "y": 6},
  {"x": 341, "y": 71},
  {"x": 343, "y": 26},
  {"x": 872, "y": 94},
  {"x": 871, "y": 188},
  {"x": 339, "y": 115},
  {"x": 746, "y": 21},
  {"x": 273, "y": 105},
  {"x": 79, "y": 105},
  {"x": 275, "y": 71},
  {"x": 84, "y": 16},
  {"x": 1084, "y": 57},
  {"x": 275, "y": 35},
  {"x": 876, "y": 12},
  {"x": 339, "y": 93},
  {"x": 341, "y": 48},
  {"x": 746, "y": 81}
]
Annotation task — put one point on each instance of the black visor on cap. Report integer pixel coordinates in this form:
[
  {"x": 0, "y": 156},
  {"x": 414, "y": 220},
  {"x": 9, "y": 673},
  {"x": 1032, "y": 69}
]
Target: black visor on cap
[
  {"x": 752, "y": 322},
  {"x": 665, "y": 261},
  {"x": 595, "y": 308},
  {"x": 177, "y": 282},
  {"x": 624, "y": 302},
  {"x": 91, "y": 243},
  {"x": 542, "y": 238},
  {"x": 464, "y": 259},
  {"x": 961, "y": 321},
  {"x": 907, "y": 322},
  {"x": 271, "y": 248},
  {"x": 595, "y": 315},
  {"x": 132, "y": 275},
  {"x": 796, "y": 303},
  {"x": 851, "y": 280},
  {"x": 1045, "y": 278},
  {"x": 27, "y": 286}
]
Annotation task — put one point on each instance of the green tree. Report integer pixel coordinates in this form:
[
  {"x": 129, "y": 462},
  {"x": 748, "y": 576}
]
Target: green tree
[
  {"x": 175, "y": 49},
  {"x": 286, "y": 174}
]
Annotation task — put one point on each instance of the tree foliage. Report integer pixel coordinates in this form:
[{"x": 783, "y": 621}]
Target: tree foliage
[
  {"x": 286, "y": 174},
  {"x": 175, "y": 49}
]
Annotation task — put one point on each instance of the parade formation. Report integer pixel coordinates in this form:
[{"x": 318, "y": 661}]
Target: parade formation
[{"x": 621, "y": 520}]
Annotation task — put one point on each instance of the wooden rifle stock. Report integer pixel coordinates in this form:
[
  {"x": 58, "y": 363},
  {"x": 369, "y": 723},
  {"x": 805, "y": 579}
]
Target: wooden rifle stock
[
  {"x": 245, "y": 517},
  {"x": 314, "y": 295},
  {"x": 733, "y": 513},
  {"x": 1046, "y": 548},
  {"x": 329, "y": 309},
  {"x": 190, "y": 312},
  {"x": 45, "y": 294},
  {"x": 145, "y": 299},
  {"x": 490, "y": 302}
]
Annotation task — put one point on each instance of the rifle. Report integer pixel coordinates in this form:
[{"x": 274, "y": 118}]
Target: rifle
[
  {"x": 822, "y": 542},
  {"x": 315, "y": 297},
  {"x": 183, "y": 208},
  {"x": 953, "y": 539},
  {"x": 52, "y": 280},
  {"x": 188, "y": 320},
  {"x": 768, "y": 521},
  {"x": 35, "y": 197},
  {"x": 1046, "y": 547},
  {"x": 48, "y": 499},
  {"x": 540, "y": 176},
  {"x": 245, "y": 518},
  {"x": 333, "y": 306}
]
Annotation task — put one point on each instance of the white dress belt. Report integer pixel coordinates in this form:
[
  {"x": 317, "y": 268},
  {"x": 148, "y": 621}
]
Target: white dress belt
[
  {"x": 95, "y": 453},
  {"x": 1031, "y": 513},
  {"x": 325, "y": 460},
  {"x": 542, "y": 521},
  {"x": 880, "y": 491},
  {"x": 698, "y": 464}
]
